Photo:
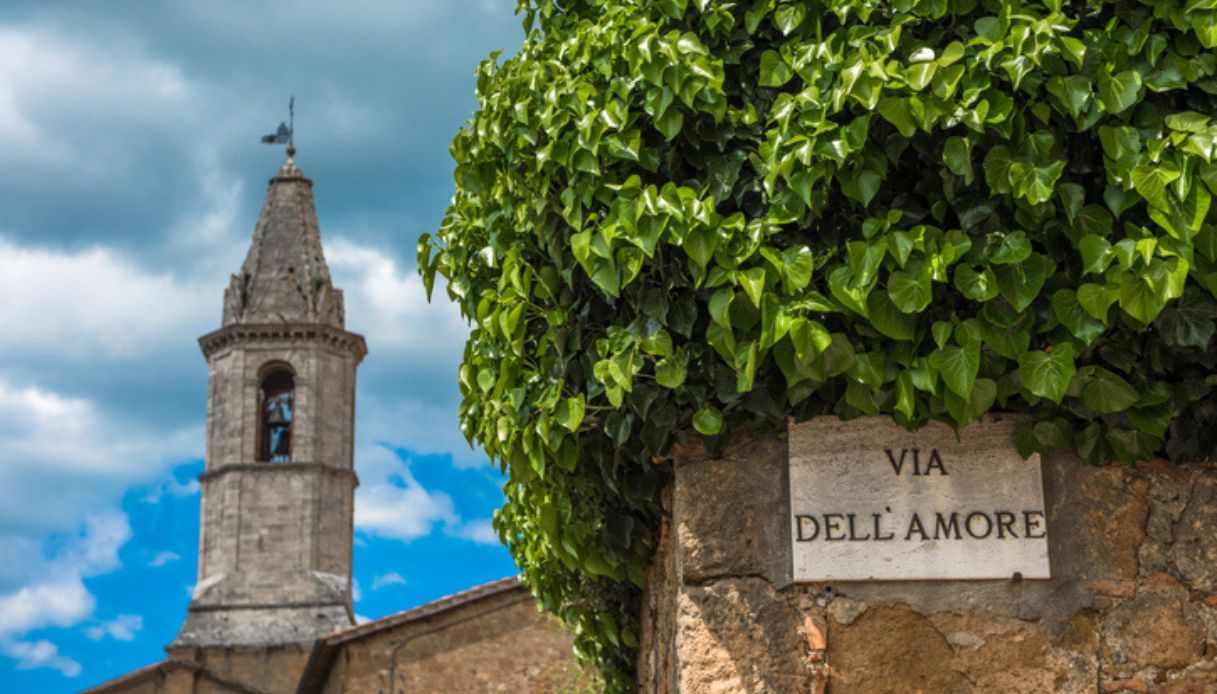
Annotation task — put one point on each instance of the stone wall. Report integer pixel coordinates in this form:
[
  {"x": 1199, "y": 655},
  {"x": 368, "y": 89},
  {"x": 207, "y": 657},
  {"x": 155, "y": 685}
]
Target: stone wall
[
  {"x": 496, "y": 644},
  {"x": 1131, "y": 607},
  {"x": 215, "y": 671}
]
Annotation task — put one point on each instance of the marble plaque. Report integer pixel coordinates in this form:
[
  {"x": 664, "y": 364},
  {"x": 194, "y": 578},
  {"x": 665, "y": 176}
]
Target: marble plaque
[{"x": 872, "y": 501}]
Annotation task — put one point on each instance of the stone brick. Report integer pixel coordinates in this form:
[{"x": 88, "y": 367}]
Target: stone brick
[
  {"x": 1159, "y": 628},
  {"x": 1115, "y": 686},
  {"x": 891, "y": 648},
  {"x": 1195, "y": 541},
  {"x": 1113, "y": 589},
  {"x": 733, "y": 536},
  {"x": 816, "y": 628},
  {"x": 739, "y": 635}
]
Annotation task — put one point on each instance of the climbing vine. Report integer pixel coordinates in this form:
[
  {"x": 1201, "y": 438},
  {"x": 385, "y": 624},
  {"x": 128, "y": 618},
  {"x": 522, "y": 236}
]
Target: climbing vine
[{"x": 678, "y": 216}]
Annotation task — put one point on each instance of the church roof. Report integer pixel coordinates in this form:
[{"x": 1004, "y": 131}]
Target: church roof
[
  {"x": 327, "y": 647},
  {"x": 285, "y": 278}
]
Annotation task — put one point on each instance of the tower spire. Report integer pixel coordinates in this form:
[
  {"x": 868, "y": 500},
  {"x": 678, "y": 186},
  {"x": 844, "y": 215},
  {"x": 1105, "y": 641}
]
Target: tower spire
[
  {"x": 278, "y": 486},
  {"x": 285, "y": 277}
]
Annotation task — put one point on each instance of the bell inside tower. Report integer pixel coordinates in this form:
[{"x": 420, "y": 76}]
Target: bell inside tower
[{"x": 278, "y": 390}]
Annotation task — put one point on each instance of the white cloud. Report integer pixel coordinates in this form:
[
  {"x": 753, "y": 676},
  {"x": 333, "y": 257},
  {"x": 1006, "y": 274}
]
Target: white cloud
[
  {"x": 62, "y": 601},
  {"x": 61, "y": 455},
  {"x": 389, "y": 305},
  {"x": 479, "y": 531},
  {"x": 395, "y": 505},
  {"x": 38, "y": 654},
  {"x": 93, "y": 304},
  {"x": 121, "y": 628},
  {"x": 173, "y": 488},
  {"x": 389, "y": 579},
  {"x": 402, "y": 511},
  {"x": 54, "y": 595},
  {"x": 163, "y": 558}
]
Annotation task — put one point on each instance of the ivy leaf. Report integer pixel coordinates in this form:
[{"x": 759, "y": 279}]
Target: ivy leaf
[
  {"x": 1131, "y": 445},
  {"x": 838, "y": 357},
  {"x": 708, "y": 420},
  {"x": 910, "y": 293},
  {"x": 1205, "y": 28},
  {"x": 1189, "y": 322},
  {"x": 1021, "y": 283},
  {"x": 1119, "y": 92},
  {"x": 1187, "y": 121},
  {"x": 1140, "y": 299},
  {"x": 569, "y": 412},
  {"x": 958, "y": 367},
  {"x": 1096, "y": 254},
  {"x": 1119, "y": 141},
  {"x": 788, "y": 17},
  {"x": 1105, "y": 392},
  {"x": 774, "y": 71},
  {"x": 957, "y": 155},
  {"x": 1151, "y": 181},
  {"x": 809, "y": 338},
  {"x": 1096, "y": 299},
  {"x": 1074, "y": 317},
  {"x": 670, "y": 123},
  {"x": 977, "y": 286},
  {"x": 1072, "y": 92},
  {"x": 968, "y": 410},
  {"x": 888, "y": 319},
  {"x": 1093, "y": 219},
  {"x": 906, "y": 395},
  {"x": 797, "y": 264},
  {"x": 659, "y": 344},
  {"x": 1010, "y": 341},
  {"x": 997, "y": 170},
  {"x": 1047, "y": 374},
  {"x": 753, "y": 282},
  {"x": 670, "y": 372},
  {"x": 1036, "y": 183},
  {"x": 1006, "y": 248},
  {"x": 895, "y": 110},
  {"x": 720, "y": 306},
  {"x": 844, "y": 289}
]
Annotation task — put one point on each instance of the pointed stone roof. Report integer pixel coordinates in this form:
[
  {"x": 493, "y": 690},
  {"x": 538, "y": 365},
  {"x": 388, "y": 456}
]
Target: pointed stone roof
[{"x": 285, "y": 278}]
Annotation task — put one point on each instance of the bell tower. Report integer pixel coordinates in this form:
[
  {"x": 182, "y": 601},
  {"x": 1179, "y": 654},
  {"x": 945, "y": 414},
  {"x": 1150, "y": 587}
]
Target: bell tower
[{"x": 278, "y": 485}]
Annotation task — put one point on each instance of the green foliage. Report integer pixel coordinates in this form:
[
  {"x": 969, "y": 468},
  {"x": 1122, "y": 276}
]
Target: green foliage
[{"x": 674, "y": 218}]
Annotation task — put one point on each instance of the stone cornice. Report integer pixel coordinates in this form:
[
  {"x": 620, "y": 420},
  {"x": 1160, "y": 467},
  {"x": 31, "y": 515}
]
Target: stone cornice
[
  {"x": 277, "y": 468},
  {"x": 265, "y": 605},
  {"x": 245, "y": 333}
]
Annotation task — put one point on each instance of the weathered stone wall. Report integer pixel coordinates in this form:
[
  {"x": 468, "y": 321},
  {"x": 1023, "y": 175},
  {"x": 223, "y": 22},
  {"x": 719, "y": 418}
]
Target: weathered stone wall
[
  {"x": 1131, "y": 607},
  {"x": 324, "y": 404},
  {"x": 276, "y": 538},
  {"x": 216, "y": 671},
  {"x": 498, "y": 644}
]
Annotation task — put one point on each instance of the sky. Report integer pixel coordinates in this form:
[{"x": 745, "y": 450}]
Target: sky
[{"x": 131, "y": 176}]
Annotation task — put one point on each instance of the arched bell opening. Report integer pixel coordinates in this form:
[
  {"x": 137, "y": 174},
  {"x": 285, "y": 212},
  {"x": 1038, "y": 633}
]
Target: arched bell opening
[{"x": 276, "y": 409}]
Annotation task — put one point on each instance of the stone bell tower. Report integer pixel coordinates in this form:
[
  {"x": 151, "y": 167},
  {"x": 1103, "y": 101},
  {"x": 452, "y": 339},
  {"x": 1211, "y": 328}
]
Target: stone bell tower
[{"x": 278, "y": 487}]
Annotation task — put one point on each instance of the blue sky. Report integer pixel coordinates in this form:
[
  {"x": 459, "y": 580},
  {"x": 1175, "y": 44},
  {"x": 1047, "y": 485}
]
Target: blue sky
[{"x": 130, "y": 185}]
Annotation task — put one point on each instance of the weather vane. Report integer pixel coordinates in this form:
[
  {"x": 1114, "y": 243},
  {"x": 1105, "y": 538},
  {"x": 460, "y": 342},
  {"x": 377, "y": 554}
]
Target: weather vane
[{"x": 285, "y": 132}]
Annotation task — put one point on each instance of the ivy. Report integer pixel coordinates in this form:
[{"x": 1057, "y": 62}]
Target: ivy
[{"x": 680, "y": 218}]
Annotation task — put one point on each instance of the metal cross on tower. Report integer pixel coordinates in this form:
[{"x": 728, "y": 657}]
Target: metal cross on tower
[{"x": 284, "y": 134}]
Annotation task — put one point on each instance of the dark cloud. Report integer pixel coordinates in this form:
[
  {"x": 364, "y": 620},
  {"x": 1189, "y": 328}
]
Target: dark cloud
[{"x": 381, "y": 87}]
